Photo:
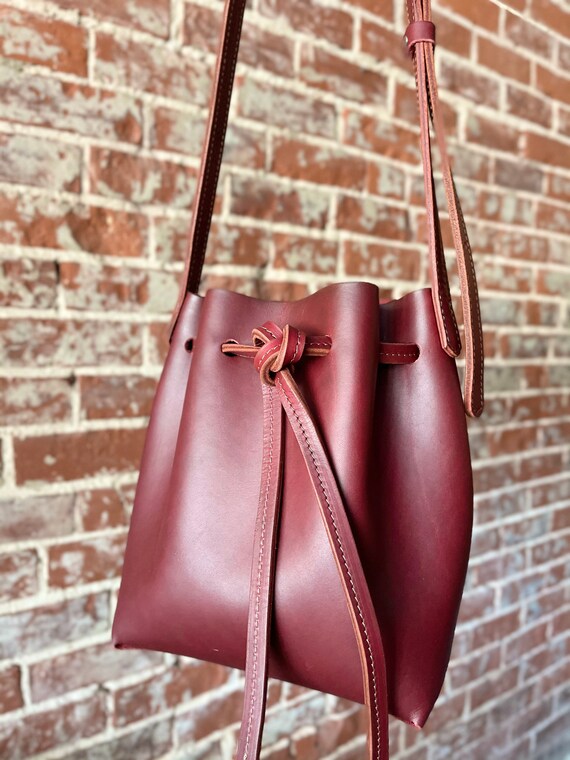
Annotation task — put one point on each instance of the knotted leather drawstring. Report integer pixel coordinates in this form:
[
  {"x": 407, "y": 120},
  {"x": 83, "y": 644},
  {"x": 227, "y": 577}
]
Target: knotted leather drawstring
[{"x": 275, "y": 351}]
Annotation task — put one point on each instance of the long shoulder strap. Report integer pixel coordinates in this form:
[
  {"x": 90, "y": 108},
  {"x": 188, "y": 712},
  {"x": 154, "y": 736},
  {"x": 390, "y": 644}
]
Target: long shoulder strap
[{"x": 420, "y": 38}]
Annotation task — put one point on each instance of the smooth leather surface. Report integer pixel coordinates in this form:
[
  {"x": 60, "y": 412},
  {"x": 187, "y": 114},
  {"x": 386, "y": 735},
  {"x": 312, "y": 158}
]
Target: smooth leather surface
[{"x": 186, "y": 577}]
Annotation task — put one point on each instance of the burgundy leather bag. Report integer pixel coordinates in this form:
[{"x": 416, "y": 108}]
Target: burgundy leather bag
[{"x": 304, "y": 505}]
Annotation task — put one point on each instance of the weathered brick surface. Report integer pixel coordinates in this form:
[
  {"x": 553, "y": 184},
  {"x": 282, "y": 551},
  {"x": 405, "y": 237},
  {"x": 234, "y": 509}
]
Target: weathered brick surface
[{"x": 102, "y": 119}]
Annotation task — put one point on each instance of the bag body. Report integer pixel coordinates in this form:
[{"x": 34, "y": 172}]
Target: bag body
[
  {"x": 397, "y": 438},
  {"x": 314, "y": 526}
]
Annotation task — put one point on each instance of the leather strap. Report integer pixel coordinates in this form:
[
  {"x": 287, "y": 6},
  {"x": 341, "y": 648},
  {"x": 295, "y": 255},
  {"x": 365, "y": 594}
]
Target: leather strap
[
  {"x": 262, "y": 577},
  {"x": 276, "y": 350},
  {"x": 422, "y": 45},
  {"x": 421, "y": 40}
]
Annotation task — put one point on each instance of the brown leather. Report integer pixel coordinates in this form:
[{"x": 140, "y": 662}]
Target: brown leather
[
  {"x": 276, "y": 350},
  {"x": 419, "y": 11},
  {"x": 262, "y": 578},
  {"x": 419, "y": 31},
  {"x": 397, "y": 442},
  {"x": 421, "y": 36}
]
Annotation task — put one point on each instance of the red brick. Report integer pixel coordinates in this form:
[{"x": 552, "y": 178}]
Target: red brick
[
  {"x": 40, "y": 517},
  {"x": 148, "y": 15},
  {"x": 174, "y": 686},
  {"x": 452, "y": 36},
  {"x": 46, "y": 223},
  {"x": 372, "y": 218},
  {"x": 265, "y": 198},
  {"x": 551, "y": 549},
  {"x": 10, "y": 689},
  {"x": 39, "y": 732},
  {"x": 140, "y": 179},
  {"x": 491, "y": 133},
  {"x": 100, "y": 509},
  {"x": 18, "y": 574},
  {"x": 475, "y": 87},
  {"x": 258, "y": 47},
  {"x": 559, "y": 187},
  {"x": 551, "y": 14},
  {"x": 278, "y": 106},
  {"x": 553, "y": 282},
  {"x": 524, "y": 642},
  {"x": 91, "y": 665},
  {"x": 29, "y": 631},
  {"x": 44, "y": 41},
  {"x": 159, "y": 339},
  {"x": 505, "y": 277},
  {"x": 552, "y": 84},
  {"x": 528, "y": 106},
  {"x": 375, "y": 38},
  {"x": 527, "y": 35},
  {"x": 305, "y": 745},
  {"x": 386, "y": 181},
  {"x": 239, "y": 245},
  {"x": 505, "y": 208},
  {"x": 34, "y": 401},
  {"x": 479, "y": 603},
  {"x": 495, "y": 629},
  {"x": 79, "y": 562},
  {"x": 320, "y": 21},
  {"x": 116, "y": 397},
  {"x": 337, "y": 75},
  {"x": 378, "y": 136},
  {"x": 446, "y": 712},
  {"x": 305, "y": 254},
  {"x": 382, "y": 8},
  {"x": 184, "y": 132},
  {"x": 503, "y": 61},
  {"x": 28, "y": 160},
  {"x": 299, "y": 160},
  {"x": 519, "y": 176},
  {"x": 547, "y": 150},
  {"x": 485, "y": 16},
  {"x": 553, "y": 218},
  {"x": 67, "y": 106},
  {"x": 69, "y": 456},
  {"x": 281, "y": 291},
  {"x": 151, "y": 740},
  {"x": 151, "y": 68},
  {"x": 493, "y": 686},
  {"x": 68, "y": 343},
  {"x": 479, "y": 665},
  {"x": 96, "y": 288},
  {"x": 337, "y": 730},
  {"x": 374, "y": 260},
  {"x": 27, "y": 283}
]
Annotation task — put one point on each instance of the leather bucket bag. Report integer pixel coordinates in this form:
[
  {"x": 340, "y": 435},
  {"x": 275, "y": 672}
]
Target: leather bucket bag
[{"x": 305, "y": 500}]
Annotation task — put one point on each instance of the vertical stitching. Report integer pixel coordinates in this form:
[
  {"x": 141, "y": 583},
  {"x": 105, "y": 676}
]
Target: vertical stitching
[
  {"x": 345, "y": 562},
  {"x": 226, "y": 102},
  {"x": 296, "y": 347},
  {"x": 259, "y": 574}
]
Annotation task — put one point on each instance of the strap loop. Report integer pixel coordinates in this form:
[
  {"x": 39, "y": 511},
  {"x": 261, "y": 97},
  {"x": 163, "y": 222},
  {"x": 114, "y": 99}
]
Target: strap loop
[{"x": 419, "y": 31}]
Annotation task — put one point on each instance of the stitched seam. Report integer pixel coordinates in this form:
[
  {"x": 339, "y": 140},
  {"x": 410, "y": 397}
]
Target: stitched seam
[
  {"x": 258, "y": 589},
  {"x": 296, "y": 347},
  {"x": 383, "y": 353},
  {"x": 345, "y": 562},
  {"x": 467, "y": 244},
  {"x": 219, "y": 161},
  {"x": 265, "y": 354}
]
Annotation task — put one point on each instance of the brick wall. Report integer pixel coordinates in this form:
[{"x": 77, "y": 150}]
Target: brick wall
[{"x": 101, "y": 124}]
